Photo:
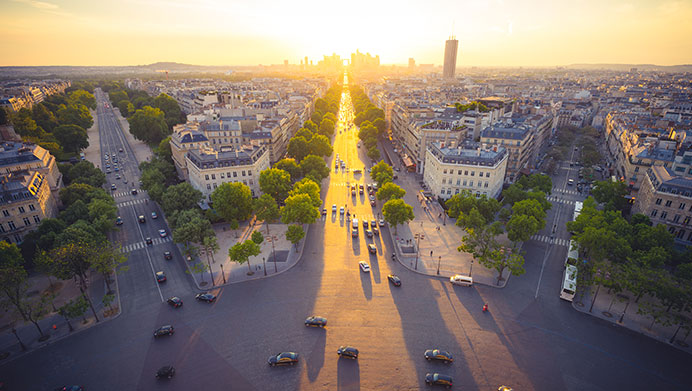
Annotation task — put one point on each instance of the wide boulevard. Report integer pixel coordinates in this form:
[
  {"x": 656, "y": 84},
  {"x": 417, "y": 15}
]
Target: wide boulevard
[{"x": 530, "y": 339}]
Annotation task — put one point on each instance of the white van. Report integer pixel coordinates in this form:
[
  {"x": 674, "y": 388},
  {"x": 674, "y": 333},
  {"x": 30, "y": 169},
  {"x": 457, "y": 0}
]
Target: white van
[
  {"x": 461, "y": 280},
  {"x": 354, "y": 223}
]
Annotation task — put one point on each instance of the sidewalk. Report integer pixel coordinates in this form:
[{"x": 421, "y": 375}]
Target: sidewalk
[
  {"x": 613, "y": 308},
  {"x": 437, "y": 246},
  {"x": 266, "y": 264}
]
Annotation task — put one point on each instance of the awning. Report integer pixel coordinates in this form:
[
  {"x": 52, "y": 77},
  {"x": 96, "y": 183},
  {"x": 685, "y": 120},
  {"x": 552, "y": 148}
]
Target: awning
[{"x": 408, "y": 162}]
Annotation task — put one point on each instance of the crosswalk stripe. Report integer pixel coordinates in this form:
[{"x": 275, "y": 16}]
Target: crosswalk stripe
[
  {"x": 547, "y": 239},
  {"x": 140, "y": 245}
]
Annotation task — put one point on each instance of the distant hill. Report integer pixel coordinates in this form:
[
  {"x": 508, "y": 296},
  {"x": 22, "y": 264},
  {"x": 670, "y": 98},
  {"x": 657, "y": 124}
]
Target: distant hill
[{"x": 640, "y": 67}]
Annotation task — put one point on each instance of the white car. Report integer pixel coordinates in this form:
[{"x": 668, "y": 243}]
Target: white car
[
  {"x": 382, "y": 222},
  {"x": 334, "y": 208},
  {"x": 364, "y": 267},
  {"x": 462, "y": 280},
  {"x": 341, "y": 210},
  {"x": 162, "y": 233}
]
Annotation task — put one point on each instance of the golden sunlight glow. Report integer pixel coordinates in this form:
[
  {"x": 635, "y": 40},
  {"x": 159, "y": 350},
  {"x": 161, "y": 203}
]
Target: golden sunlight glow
[{"x": 233, "y": 32}]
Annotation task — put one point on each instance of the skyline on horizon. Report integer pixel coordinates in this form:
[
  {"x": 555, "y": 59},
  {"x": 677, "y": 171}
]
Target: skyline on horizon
[{"x": 536, "y": 33}]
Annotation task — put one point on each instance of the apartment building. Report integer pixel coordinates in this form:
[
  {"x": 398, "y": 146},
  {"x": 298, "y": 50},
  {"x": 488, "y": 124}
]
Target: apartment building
[
  {"x": 517, "y": 140},
  {"x": 453, "y": 168},
  {"x": 26, "y": 200},
  {"x": 20, "y": 156},
  {"x": 667, "y": 199},
  {"x": 208, "y": 168}
]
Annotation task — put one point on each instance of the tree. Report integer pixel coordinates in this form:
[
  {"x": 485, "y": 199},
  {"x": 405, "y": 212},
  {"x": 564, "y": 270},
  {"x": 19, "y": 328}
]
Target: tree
[
  {"x": 540, "y": 182},
  {"x": 257, "y": 237},
  {"x": 295, "y": 234},
  {"x": 502, "y": 258},
  {"x": 276, "y": 183},
  {"x": 163, "y": 151},
  {"x": 73, "y": 261},
  {"x": 380, "y": 124},
  {"x": 514, "y": 193},
  {"x": 126, "y": 108},
  {"x": 179, "y": 197},
  {"x": 44, "y": 118},
  {"x": 309, "y": 187},
  {"x": 81, "y": 192},
  {"x": 290, "y": 166},
  {"x": 390, "y": 190},
  {"x": 611, "y": 194},
  {"x": 85, "y": 172},
  {"x": 316, "y": 117},
  {"x": 241, "y": 252},
  {"x": 311, "y": 126},
  {"x": 382, "y": 173},
  {"x": 319, "y": 145},
  {"x": 521, "y": 227},
  {"x": 266, "y": 209},
  {"x": 191, "y": 226},
  {"x": 106, "y": 261},
  {"x": 172, "y": 112},
  {"x": 73, "y": 309},
  {"x": 299, "y": 208},
  {"x": 102, "y": 214},
  {"x": 396, "y": 212},
  {"x": 154, "y": 182},
  {"x": 314, "y": 167},
  {"x": 83, "y": 97},
  {"x": 321, "y": 105},
  {"x": 298, "y": 148},
  {"x": 304, "y": 133},
  {"x": 373, "y": 153},
  {"x": 75, "y": 114},
  {"x": 327, "y": 127},
  {"x": 72, "y": 138},
  {"x": 148, "y": 124},
  {"x": 233, "y": 201}
]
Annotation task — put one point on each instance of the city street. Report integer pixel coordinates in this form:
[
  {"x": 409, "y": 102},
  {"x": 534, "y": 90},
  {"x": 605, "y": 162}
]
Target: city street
[{"x": 529, "y": 339}]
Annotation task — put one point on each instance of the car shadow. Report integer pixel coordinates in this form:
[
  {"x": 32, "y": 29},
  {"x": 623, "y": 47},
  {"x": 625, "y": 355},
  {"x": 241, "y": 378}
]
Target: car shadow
[
  {"x": 374, "y": 268},
  {"x": 347, "y": 375},
  {"x": 366, "y": 284},
  {"x": 314, "y": 360}
]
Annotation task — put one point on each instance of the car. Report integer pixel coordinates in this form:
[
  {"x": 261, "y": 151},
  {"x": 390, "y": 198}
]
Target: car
[
  {"x": 154, "y": 215},
  {"x": 368, "y": 233},
  {"x": 113, "y": 186},
  {"x": 394, "y": 279},
  {"x": 315, "y": 321},
  {"x": 504, "y": 388},
  {"x": 108, "y": 171},
  {"x": 382, "y": 222},
  {"x": 395, "y": 176},
  {"x": 353, "y": 193},
  {"x": 165, "y": 372},
  {"x": 120, "y": 150},
  {"x": 357, "y": 171},
  {"x": 372, "y": 202},
  {"x": 364, "y": 267},
  {"x": 119, "y": 221},
  {"x": 440, "y": 355},
  {"x": 105, "y": 156},
  {"x": 365, "y": 223},
  {"x": 68, "y": 388},
  {"x": 142, "y": 219},
  {"x": 160, "y": 277},
  {"x": 148, "y": 240},
  {"x": 369, "y": 187},
  {"x": 108, "y": 165},
  {"x": 116, "y": 169},
  {"x": 334, "y": 208},
  {"x": 134, "y": 191},
  {"x": 372, "y": 249},
  {"x": 438, "y": 379},
  {"x": 348, "y": 352},
  {"x": 175, "y": 301},
  {"x": 341, "y": 210},
  {"x": 167, "y": 255},
  {"x": 125, "y": 180},
  {"x": 354, "y": 233},
  {"x": 374, "y": 186},
  {"x": 324, "y": 211},
  {"x": 164, "y": 330},
  {"x": 285, "y": 358},
  {"x": 462, "y": 280},
  {"x": 360, "y": 190},
  {"x": 570, "y": 182},
  {"x": 162, "y": 233},
  {"x": 117, "y": 176},
  {"x": 208, "y": 297},
  {"x": 375, "y": 230}
]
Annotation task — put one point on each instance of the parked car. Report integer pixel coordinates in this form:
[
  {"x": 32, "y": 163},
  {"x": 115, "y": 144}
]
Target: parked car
[
  {"x": 164, "y": 330},
  {"x": 285, "y": 358},
  {"x": 348, "y": 352},
  {"x": 315, "y": 321},
  {"x": 438, "y": 379},
  {"x": 382, "y": 222},
  {"x": 394, "y": 279},
  {"x": 364, "y": 266},
  {"x": 175, "y": 301},
  {"x": 208, "y": 297},
  {"x": 165, "y": 372},
  {"x": 440, "y": 355}
]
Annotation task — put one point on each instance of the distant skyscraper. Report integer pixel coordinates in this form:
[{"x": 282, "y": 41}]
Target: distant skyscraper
[{"x": 450, "y": 64}]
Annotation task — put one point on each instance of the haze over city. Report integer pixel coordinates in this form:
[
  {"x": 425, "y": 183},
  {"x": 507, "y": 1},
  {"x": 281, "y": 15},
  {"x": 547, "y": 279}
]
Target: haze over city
[{"x": 216, "y": 32}]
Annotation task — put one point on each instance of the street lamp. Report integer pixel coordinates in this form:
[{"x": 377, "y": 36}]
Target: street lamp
[
  {"x": 439, "y": 258},
  {"x": 418, "y": 237},
  {"x": 222, "y": 274},
  {"x": 274, "y": 253},
  {"x": 265, "y": 266}
]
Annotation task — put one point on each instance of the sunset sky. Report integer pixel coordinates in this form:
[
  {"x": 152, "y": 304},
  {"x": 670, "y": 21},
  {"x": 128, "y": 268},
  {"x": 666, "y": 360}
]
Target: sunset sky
[{"x": 233, "y": 32}]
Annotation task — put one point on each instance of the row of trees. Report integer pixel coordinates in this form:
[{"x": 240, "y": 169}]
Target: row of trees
[
  {"x": 58, "y": 124},
  {"x": 369, "y": 119},
  {"x": 521, "y": 215},
  {"x": 471, "y": 106},
  {"x": 151, "y": 119},
  {"x": 634, "y": 256}
]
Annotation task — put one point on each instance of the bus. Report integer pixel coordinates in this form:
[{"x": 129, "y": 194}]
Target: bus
[
  {"x": 569, "y": 283},
  {"x": 578, "y": 205}
]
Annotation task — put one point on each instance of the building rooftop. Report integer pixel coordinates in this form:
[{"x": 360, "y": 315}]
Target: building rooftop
[
  {"x": 506, "y": 132},
  {"x": 19, "y": 186},
  {"x": 17, "y": 153},
  {"x": 227, "y": 157},
  {"x": 469, "y": 152},
  {"x": 665, "y": 181}
]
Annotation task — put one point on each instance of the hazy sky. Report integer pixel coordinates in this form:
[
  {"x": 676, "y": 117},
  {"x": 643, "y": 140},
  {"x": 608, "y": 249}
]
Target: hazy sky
[{"x": 251, "y": 32}]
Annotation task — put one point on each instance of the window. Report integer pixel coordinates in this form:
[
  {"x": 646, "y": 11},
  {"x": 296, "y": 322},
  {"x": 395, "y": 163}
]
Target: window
[
  {"x": 214, "y": 185},
  {"x": 449, "y": 191},
  {"x": 213, "y": 176},
  {"x": 442, "y": 191},
  {"x": 235, "y": 174},
  {"x": 682, "y": 206},
  {"x": 668, "y": 203},
  {"x": 676, "y": 218},
  {"x": 2, "y": 228},
  {"x": 658, "y": 201},
  {"x": 206, "y": 177},
  {"x": 654, "y": 213},
  {"x": 444, "y": 171},
  {"x": 31, "y": 207},
  {"x": 459, "y": 172},
  {"x": 487, "y": 175},
  {"x": 251, "y": 182},
  {"x": 208, "y": 186},
  {"x": 664, "y": 214},
  {"x": 17, "y": 238},
  {"x": 689, "y": 237},
  {"x": 671, "y": 230},
  {"x": 243, "y": 172},
  {"x": 37, "y": 219},
  {"x": 466, "y": 172},
  {"x": 221, "y": 175},
  {"x": 470, "y": 183},
  {"x": 6, "y": 213},
  {"x": 458, "y": 182},
  {"x": 444, "y": 181},
  {"x": 464, "y": 182},
  {"x": 480, "y": 174},
  {"x": 472, "y": 173},
  {"x": 486, "y": 184},
  {"x": 26, "y": 221},
  {"x": 687, "y": 220},
  {"x": 11, "y": 225},
  {"x": 21, "y": 209},
  {"x": 249, "y": 173},
  {"x": 456, "y": 191}
]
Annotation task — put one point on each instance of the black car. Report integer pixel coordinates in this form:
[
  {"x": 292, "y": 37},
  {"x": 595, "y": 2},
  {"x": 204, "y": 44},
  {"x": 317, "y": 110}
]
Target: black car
[
  {"x": 175, "y": 301},
  {"x": 167, "y": 255},
  {"x": 119, "y": 221},
  {"x": 437, "y": 354},
  {"x": 142, "y": 219},
  {"x": 165, "y": 371},
  {"x": 394, "y": 279},
  {"x": 208, "y": 297},
  {"x": 285, "y": 358},
  {"x": 164, "y": 330},
  {"x": 365, "y": 224},
  {"x": 134, "y": 191},
  {"x": 71, "y": 388},
  {"x": 148, "y": 240},
  {"x": 315, "y": 321},
  {"x": 438, "y": 379},
  {"x": 348, "y": 351}
]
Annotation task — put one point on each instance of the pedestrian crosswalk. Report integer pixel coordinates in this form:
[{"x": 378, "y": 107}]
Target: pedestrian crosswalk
[
  {"x": 126, "y": 193},
  {"x": 129, "y": 203},
  {"x": 141, "y": 245},
  {"x": 568, "y": 191},
  {"x": 560, "y": 200},
  {"x": 549, "y": 240}
]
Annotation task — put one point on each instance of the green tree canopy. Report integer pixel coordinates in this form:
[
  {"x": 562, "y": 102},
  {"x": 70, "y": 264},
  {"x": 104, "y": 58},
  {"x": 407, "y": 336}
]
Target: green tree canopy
[
  {"x": 295, "y": 234},
  {"x": 83, "y": 98},
  {"x": 290, "y": 166},
  {"x": 298, "y": 148},
  {"x": 396, "y": 211},
  {"x": 72, "y": 138},
  {"x": 276, "y": 183},
  {"x": 233, "y": 201},
  {"x": 327, "y": 127},
  {"x": 309, "y": 187},
  {"x": 610, "y": 194},
  {"x": 311, "y": 126},
  {"x": 179, "y": 197},
  {"x": 149, "y": 125},
  {"x": 299, "y": 208},
  {"x": 382, "y": 173},
  {"x": 75, "y": 114},
  {"x": 314, "y": 167},
  {"x": 390, "y": 190},
  {"x": 319, "y": 145},
  {"x": 85, "y": 172}
]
